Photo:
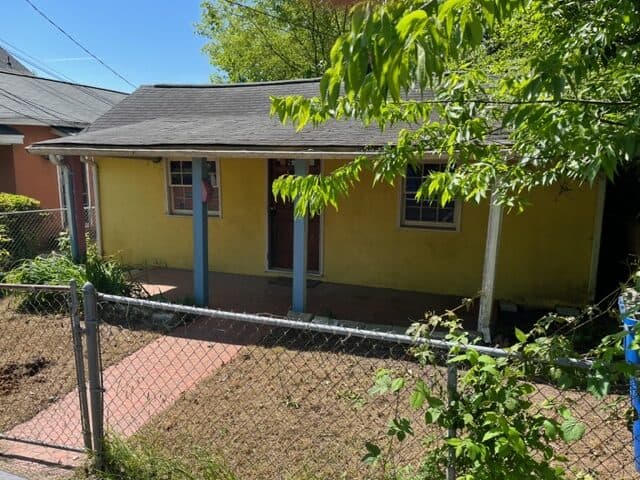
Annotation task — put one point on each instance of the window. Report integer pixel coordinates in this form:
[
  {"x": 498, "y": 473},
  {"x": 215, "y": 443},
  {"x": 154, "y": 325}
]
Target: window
[
  {"x": 180, "y": 194},
  {"x": 426, "y": 213}
]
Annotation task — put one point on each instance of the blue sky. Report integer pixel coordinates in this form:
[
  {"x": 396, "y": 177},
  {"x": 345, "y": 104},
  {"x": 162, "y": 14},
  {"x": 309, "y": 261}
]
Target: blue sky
[{"x": 146, "y": 41}]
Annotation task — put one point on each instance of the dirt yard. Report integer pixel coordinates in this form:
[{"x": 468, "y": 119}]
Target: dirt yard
[
  {"x": 285, "y": 413},
  {"x": 37, "y": 363},
  {"x": 279, "y": 413}
]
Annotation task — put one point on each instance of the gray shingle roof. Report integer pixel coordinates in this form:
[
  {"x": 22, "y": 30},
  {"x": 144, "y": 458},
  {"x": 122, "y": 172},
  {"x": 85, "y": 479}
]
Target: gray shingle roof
[
  {"x": 217, "y": 116},
  {"x": 29, "y": 100},
  {"x": 8, "y": 63}
]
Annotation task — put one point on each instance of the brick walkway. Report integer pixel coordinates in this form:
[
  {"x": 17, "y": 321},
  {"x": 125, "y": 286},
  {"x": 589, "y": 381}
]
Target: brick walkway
[{"x": 142, "y": 385}]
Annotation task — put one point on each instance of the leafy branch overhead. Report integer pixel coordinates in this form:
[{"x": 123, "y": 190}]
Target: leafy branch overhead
[
  {"x": 514, "y": 93},
  {"x": 270, "y": 39}
]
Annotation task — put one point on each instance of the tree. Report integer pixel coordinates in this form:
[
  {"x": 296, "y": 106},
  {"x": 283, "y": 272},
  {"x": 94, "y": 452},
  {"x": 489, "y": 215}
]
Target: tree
[
  {"x": 271, "y": 39},
  {"x": 524, "y": 93}
]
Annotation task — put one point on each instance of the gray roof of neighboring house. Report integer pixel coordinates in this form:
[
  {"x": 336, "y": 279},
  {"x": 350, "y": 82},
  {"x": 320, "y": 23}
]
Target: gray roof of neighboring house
[
  {"x": 217, "y": 116},
  {"x": 30, "y": 100},
  {"x": 8, "y": 63}
]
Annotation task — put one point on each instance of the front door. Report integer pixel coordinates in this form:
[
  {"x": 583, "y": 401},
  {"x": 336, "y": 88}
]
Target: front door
[{"x": 281, "y": 223}]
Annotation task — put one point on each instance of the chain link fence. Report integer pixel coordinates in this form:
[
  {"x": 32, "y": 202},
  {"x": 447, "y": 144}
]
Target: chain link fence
[
  {"x": 267, "y": 397},
  {"x": 274, "y": 398},
  {"x": 40, "y": 347},
  {"x": 35, "y": 232}
]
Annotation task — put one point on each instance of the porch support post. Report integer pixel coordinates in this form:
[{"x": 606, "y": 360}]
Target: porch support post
[
  {"x": 67, "y": 178},
  {"x": 489, "y": 268},
  {"x": 200, "y": 174},
  {"x": 299, "y": 300}
]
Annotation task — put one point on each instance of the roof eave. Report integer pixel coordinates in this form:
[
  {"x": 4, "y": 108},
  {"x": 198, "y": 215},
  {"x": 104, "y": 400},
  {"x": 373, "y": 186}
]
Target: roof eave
[{"x": 190, "y": 152}]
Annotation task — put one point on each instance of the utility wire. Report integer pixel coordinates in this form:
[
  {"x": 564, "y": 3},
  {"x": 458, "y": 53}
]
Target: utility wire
[
  {"x": 37, "y": 64},
  {"x": 34, "y": 107},
  {"x": 78, "y": 43},
  {"x": 33, "y": 61},
  {"x": 22, "y": 113}
]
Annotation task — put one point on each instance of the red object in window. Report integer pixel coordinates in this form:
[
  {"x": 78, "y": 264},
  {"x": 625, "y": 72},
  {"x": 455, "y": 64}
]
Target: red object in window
[{"x": 207, "y": 190}]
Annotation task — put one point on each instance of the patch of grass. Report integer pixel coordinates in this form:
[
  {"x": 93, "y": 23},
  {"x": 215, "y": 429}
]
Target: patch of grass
[{"x": 124, "y": 461}]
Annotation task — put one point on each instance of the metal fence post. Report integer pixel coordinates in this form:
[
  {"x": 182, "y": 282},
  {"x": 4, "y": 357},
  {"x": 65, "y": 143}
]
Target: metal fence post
[
  {"x": 76, "y": 332},
  {"x": 452, "y": 393},
  {"x": 95, "y": 373}
]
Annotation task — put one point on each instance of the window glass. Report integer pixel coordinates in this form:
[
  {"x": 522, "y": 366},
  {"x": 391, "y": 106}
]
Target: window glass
[
  {"x": 180, "y": 181},
  {"x": 425, "y": 213}
]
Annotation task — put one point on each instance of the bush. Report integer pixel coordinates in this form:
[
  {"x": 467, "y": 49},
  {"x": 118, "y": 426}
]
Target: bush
[
  {"x": 24, "y": 229},
  {"x": 126, "y": 462},
  {"x": 10, "y": 202},
  {"x": 52, "y": 269},
  {"x": 107, "y": 274}
]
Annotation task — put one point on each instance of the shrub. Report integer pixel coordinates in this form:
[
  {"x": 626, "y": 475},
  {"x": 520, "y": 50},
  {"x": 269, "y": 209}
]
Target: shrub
[
  {"x": 126, "y": 462},
  {"x": 24, "y": 229},
  {"x": 10, "y": 202},
  {"x": 52, "y": 269},
  {"x": 107, "y": 274}
]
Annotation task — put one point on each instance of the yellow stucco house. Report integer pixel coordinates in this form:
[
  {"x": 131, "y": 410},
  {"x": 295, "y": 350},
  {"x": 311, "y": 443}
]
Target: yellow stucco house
[{"x": 164, "y": 149}]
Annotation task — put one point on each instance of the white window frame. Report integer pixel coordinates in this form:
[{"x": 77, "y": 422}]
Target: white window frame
[
  {"x": 169, "y": 186},
  {"x": 428, "y": 225}
]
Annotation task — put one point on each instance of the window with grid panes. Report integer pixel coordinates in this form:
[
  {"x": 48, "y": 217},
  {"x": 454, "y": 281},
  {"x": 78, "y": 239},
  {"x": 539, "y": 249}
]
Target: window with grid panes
[
  {"x": 180, "y": 182},
  {"x": 426, "y": 213}
]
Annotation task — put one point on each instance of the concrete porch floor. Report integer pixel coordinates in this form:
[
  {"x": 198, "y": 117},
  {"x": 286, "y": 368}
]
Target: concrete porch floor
[{"x": 272, "y": 295}]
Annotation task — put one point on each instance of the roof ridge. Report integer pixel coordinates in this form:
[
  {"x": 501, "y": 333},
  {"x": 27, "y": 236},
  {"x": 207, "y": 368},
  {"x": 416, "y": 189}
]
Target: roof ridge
[
  {"x": 232, "y": 85},
  {"x": 26, "y": 75}
]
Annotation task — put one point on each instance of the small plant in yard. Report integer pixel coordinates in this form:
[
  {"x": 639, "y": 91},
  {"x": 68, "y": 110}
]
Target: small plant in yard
[
  {"x": 107, "y": 274},
  {"x": 499, "y": 429},
  {"x": 123, "y": 461}
]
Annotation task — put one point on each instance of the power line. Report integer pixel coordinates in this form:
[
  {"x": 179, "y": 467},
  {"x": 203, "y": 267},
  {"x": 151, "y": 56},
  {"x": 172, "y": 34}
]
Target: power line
[
  {"x": 37, "y": 64},
  {"x": 33, "y": 106},
  {"x": 32, "y": 61},
  {"x": 78, "y": 43}
]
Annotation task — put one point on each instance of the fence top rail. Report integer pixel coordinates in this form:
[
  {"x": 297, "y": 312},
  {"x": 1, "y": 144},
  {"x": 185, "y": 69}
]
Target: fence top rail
[
  {"x": 42, "y": 210},
  {"x": 41, "y": 288},
  {"x": 328, "y": 329}
]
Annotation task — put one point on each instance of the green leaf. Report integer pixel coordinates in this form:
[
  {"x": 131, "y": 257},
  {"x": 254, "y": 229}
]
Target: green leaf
[
  {"x": 397, "y": 384},
  {"x": 373, "y": 453},
  {"x": 550, "y": 429},
  {"x": 571, "y": 430},
  {"x": 521, "y": 336}
]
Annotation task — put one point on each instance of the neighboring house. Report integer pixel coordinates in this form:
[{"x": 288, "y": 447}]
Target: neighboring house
[
  {"x": 33, "y": 109},
  {"x": 381, "y": 236},
  {"x": 8, "y": 63}
]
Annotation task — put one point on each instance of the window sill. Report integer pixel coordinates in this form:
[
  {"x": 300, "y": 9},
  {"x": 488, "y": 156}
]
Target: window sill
[
  {"x": 430, "y": 228},
  {"x": 178, "y": 215}
]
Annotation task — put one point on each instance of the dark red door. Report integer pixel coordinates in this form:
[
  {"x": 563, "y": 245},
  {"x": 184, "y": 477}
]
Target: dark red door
[{"x": 281, "y": 223}]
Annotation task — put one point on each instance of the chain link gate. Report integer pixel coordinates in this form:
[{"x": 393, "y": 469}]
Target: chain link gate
[{"x": 43, "y": 393}]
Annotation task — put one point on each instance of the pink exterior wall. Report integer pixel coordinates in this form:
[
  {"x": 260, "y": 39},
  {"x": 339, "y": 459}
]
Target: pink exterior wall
[{"x": 33, "y": 175}]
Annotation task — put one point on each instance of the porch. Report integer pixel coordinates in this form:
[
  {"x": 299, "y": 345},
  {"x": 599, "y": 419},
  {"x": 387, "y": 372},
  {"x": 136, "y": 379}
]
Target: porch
[{"x": 333, "y": 301}]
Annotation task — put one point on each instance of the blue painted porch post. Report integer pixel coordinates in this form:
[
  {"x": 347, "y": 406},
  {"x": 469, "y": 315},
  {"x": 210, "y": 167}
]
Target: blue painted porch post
[
  {"x": 200, "y": 233},
  {"x": 299, "y": 300}
]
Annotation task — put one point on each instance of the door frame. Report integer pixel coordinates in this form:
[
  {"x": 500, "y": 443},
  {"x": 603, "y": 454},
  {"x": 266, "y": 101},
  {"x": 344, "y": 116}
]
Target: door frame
[{"x": 283, "y": 271}]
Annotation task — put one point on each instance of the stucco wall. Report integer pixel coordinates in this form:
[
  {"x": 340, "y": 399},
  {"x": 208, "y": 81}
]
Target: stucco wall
[
  {"x": 544, "y": 256},
  {"x": 34, "y": 175},
  {"x": 7, "y": 175}
]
